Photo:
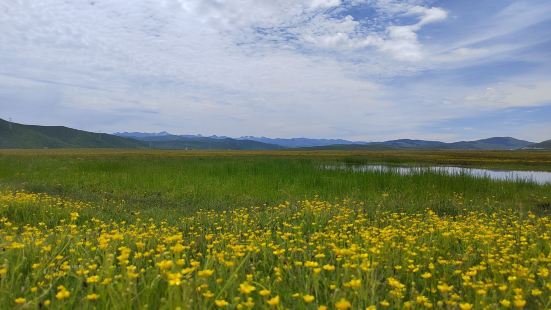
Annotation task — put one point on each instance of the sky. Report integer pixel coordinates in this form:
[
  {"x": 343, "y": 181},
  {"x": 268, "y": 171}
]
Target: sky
[{"x": 368, "y": 70}]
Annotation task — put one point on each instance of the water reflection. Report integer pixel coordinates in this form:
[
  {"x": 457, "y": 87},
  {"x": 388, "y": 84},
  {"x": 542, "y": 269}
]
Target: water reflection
[{"x": 539, "y": 177}]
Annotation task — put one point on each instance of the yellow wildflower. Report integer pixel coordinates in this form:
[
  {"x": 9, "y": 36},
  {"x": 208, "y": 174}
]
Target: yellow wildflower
[
  {"x": 62, "y": 293},
  {"x": 328, "y": 267},
  {"x": 205, "y": 273},
  {"x": 165, "y": 264},
  {"x": 505, "y": 303},
  {"x": 465, "y": 306},
  {"x": 92, "y": 279},
  {"x": 246, "y": 288},
  {"x": 220, "y": 303},
  {"x": 20, "y": 300},
  {"x": 308, "y": 298},
  {"x": 273, "y": 301},
  {"x": 343, "y": 304},
  {"x": 355, "y": 283},
  {"x": 536, "y": 292},
  {"x": 444, "y": 288},
  {"x": 519, "y": 302},
  {"x": 426, "y": 275}
]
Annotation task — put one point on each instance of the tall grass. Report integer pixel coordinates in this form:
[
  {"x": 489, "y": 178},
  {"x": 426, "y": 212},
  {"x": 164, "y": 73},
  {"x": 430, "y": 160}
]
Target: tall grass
[{"x": 184, "y": 184}]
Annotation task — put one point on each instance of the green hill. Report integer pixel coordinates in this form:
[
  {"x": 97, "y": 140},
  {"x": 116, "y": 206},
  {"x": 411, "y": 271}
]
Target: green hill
[
  {"x": 13, "y": 135},
  {"x": 542, "y": 145},
  {"x": 495, "y": 143}
]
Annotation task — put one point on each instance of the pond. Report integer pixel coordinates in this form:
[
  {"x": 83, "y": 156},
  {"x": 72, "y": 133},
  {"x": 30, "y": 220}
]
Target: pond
[{"x": 539, "y": 177}]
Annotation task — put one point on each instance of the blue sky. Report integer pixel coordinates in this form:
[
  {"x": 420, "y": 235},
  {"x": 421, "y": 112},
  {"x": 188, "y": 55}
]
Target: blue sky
[{"x": 354, "y": 69}]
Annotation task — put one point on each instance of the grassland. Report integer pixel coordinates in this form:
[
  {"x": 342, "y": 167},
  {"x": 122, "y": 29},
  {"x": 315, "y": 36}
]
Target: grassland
[
  {"x": 187, "y": 181},
  {"x": 126, "y": 229}
]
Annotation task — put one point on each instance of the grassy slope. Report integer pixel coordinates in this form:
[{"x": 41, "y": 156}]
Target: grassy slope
[
  {"x": 14, "y": 135},
  {"x": 182, "y": 181},
  {"x": 495, "y": 143},
  {"x": 545, "y": 145}
]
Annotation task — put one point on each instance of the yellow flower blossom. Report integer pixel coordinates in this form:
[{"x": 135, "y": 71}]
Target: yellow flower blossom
[
  {"x": 426, "y": 275},
  {"x": 20, "y": 300},
  {"x": 505, "y": 303},
  {"x": 62, "y": 293},
  {"x": 519, "y": 302},
  {"x": 205, "y": 273},
  {"x": 92, "y": 297},
  {"x": 273, "y": 301},
  {"x": 536, "y": 292},
  {"x": 444, "y": 288},
  {"x": 221, "y": 303},
  {"x": 343, "y": 304},
  {"x": 328, "y": 267},
  {"x": 465, "y": 306},
  {"x": 165, "y": 264},
  {"x": 92, "y": 279},
  {"x": 246, "y": 288},
  {"x": 308, "y": 298}
]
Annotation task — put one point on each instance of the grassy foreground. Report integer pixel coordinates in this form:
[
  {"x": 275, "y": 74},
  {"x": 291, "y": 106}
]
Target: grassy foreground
[{"x": 122, "y": 230}]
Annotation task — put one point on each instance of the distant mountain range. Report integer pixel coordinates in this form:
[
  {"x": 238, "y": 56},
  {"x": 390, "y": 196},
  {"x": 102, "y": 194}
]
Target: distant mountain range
[
  {"x": 302, "y": 142},
  {"x": 496, "y": 143},
  {"x": 13, "y": 135},
  {"x": 165, "y": 140}
]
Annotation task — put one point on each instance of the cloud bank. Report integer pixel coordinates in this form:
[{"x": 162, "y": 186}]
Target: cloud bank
[{"x": 357, "y": 69}]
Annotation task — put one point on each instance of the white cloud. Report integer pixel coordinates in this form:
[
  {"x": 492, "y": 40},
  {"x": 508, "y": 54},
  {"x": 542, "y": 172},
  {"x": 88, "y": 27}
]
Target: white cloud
[
  {"x": 511, "y": 95},
  {"x": 428, "y": 15},
  {"x": 324, "y": 3},
  {"x": 401, "y": 42}
]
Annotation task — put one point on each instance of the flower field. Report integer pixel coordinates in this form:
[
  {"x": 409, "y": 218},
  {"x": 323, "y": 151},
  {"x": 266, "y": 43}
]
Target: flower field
[{"x": 63, "y": 254}]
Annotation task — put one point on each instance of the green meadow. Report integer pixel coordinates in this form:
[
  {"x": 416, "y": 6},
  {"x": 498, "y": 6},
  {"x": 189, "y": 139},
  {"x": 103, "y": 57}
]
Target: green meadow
[{"x": 183, "y": 182}]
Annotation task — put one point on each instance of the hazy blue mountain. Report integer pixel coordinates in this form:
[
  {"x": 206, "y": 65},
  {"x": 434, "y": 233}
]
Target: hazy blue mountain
[
  {"x": 166, "y": 140},
  {"x": 13, "y": 135},
  {"x": 300, "y": 142},
  {"x": 495, "y": 143},
  {"x": 141, "y": 134},
  {"x": 411, "y": 144},
  {"x": 170, "y": 141}
]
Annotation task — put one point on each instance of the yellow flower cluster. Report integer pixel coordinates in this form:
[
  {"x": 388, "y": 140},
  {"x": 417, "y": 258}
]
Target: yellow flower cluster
[{"x": 310, "y": 254}]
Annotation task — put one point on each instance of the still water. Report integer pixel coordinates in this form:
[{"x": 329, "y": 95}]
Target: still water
[{"x": 539, "y": 177}]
